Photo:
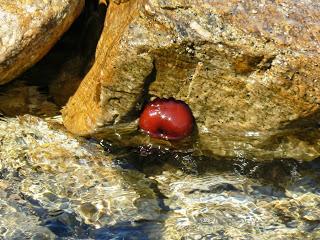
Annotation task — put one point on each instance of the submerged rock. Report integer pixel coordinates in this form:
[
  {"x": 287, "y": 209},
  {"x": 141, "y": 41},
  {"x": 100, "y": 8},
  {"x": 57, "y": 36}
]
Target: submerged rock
[
  {"x": 248, "y": 70},
  {"x": 54, "y": 185},
  {"x": 66, "y": 181},
  {"x": 18, "y": 220},
  {"x": 29, "y": 29},
  {"x": 224, "y": 205}
]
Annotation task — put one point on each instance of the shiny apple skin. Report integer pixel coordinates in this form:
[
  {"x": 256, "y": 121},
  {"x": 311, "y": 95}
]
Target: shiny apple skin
[{"x": 168, "y": 119}]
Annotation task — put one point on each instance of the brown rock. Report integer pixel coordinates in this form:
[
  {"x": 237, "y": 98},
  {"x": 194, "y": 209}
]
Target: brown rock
[
  {"x": 249, "y": 71},
  {"x": 29, "y": 28},
  {"x": 18, "y": 99}
]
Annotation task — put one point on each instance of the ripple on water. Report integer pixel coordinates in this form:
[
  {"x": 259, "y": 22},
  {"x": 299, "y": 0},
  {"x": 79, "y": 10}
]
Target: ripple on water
[{"x": 55, "y": 185}]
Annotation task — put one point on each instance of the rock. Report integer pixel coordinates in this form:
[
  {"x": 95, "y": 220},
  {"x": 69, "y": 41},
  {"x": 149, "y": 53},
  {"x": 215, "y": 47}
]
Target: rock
[
  {"x": 18, "y": 219},
  {"x": 249, "y": 71},
  {"x": 67, "y": 179},
  {"x": 19, "y": 98},
  {"x": 223, "y": 205},
  {"x": 305, "y": 207},
  {"x": 54, "y": 185},
  {"x": 28, "y": 31}
]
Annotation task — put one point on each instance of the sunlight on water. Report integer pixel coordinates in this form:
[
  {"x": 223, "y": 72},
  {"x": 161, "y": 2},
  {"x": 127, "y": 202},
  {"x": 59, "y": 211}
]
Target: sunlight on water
[{"x": 54, "y": 185}]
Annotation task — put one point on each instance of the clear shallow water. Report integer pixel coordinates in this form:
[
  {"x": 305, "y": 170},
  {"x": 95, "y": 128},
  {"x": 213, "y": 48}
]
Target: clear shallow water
[
  {"x": 211, "y": 198},
  {"x": 56, "y": 186}
]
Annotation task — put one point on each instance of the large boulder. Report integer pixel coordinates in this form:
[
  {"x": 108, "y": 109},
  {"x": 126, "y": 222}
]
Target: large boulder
[
  {"x": 248, "y": 70},
  {"x": 29, "y": 29}
]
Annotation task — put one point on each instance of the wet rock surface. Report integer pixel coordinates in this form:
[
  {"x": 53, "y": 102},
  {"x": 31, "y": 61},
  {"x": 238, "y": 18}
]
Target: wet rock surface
[
  {"x": 57, "y": 186},
  {"x": 28, "y": 31},
  {"x": 223, "y": 206},
  {"x": 54, "y": 185},
  {"x": 62, "y": 182},
  {"x": 248, "y": 70}
]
